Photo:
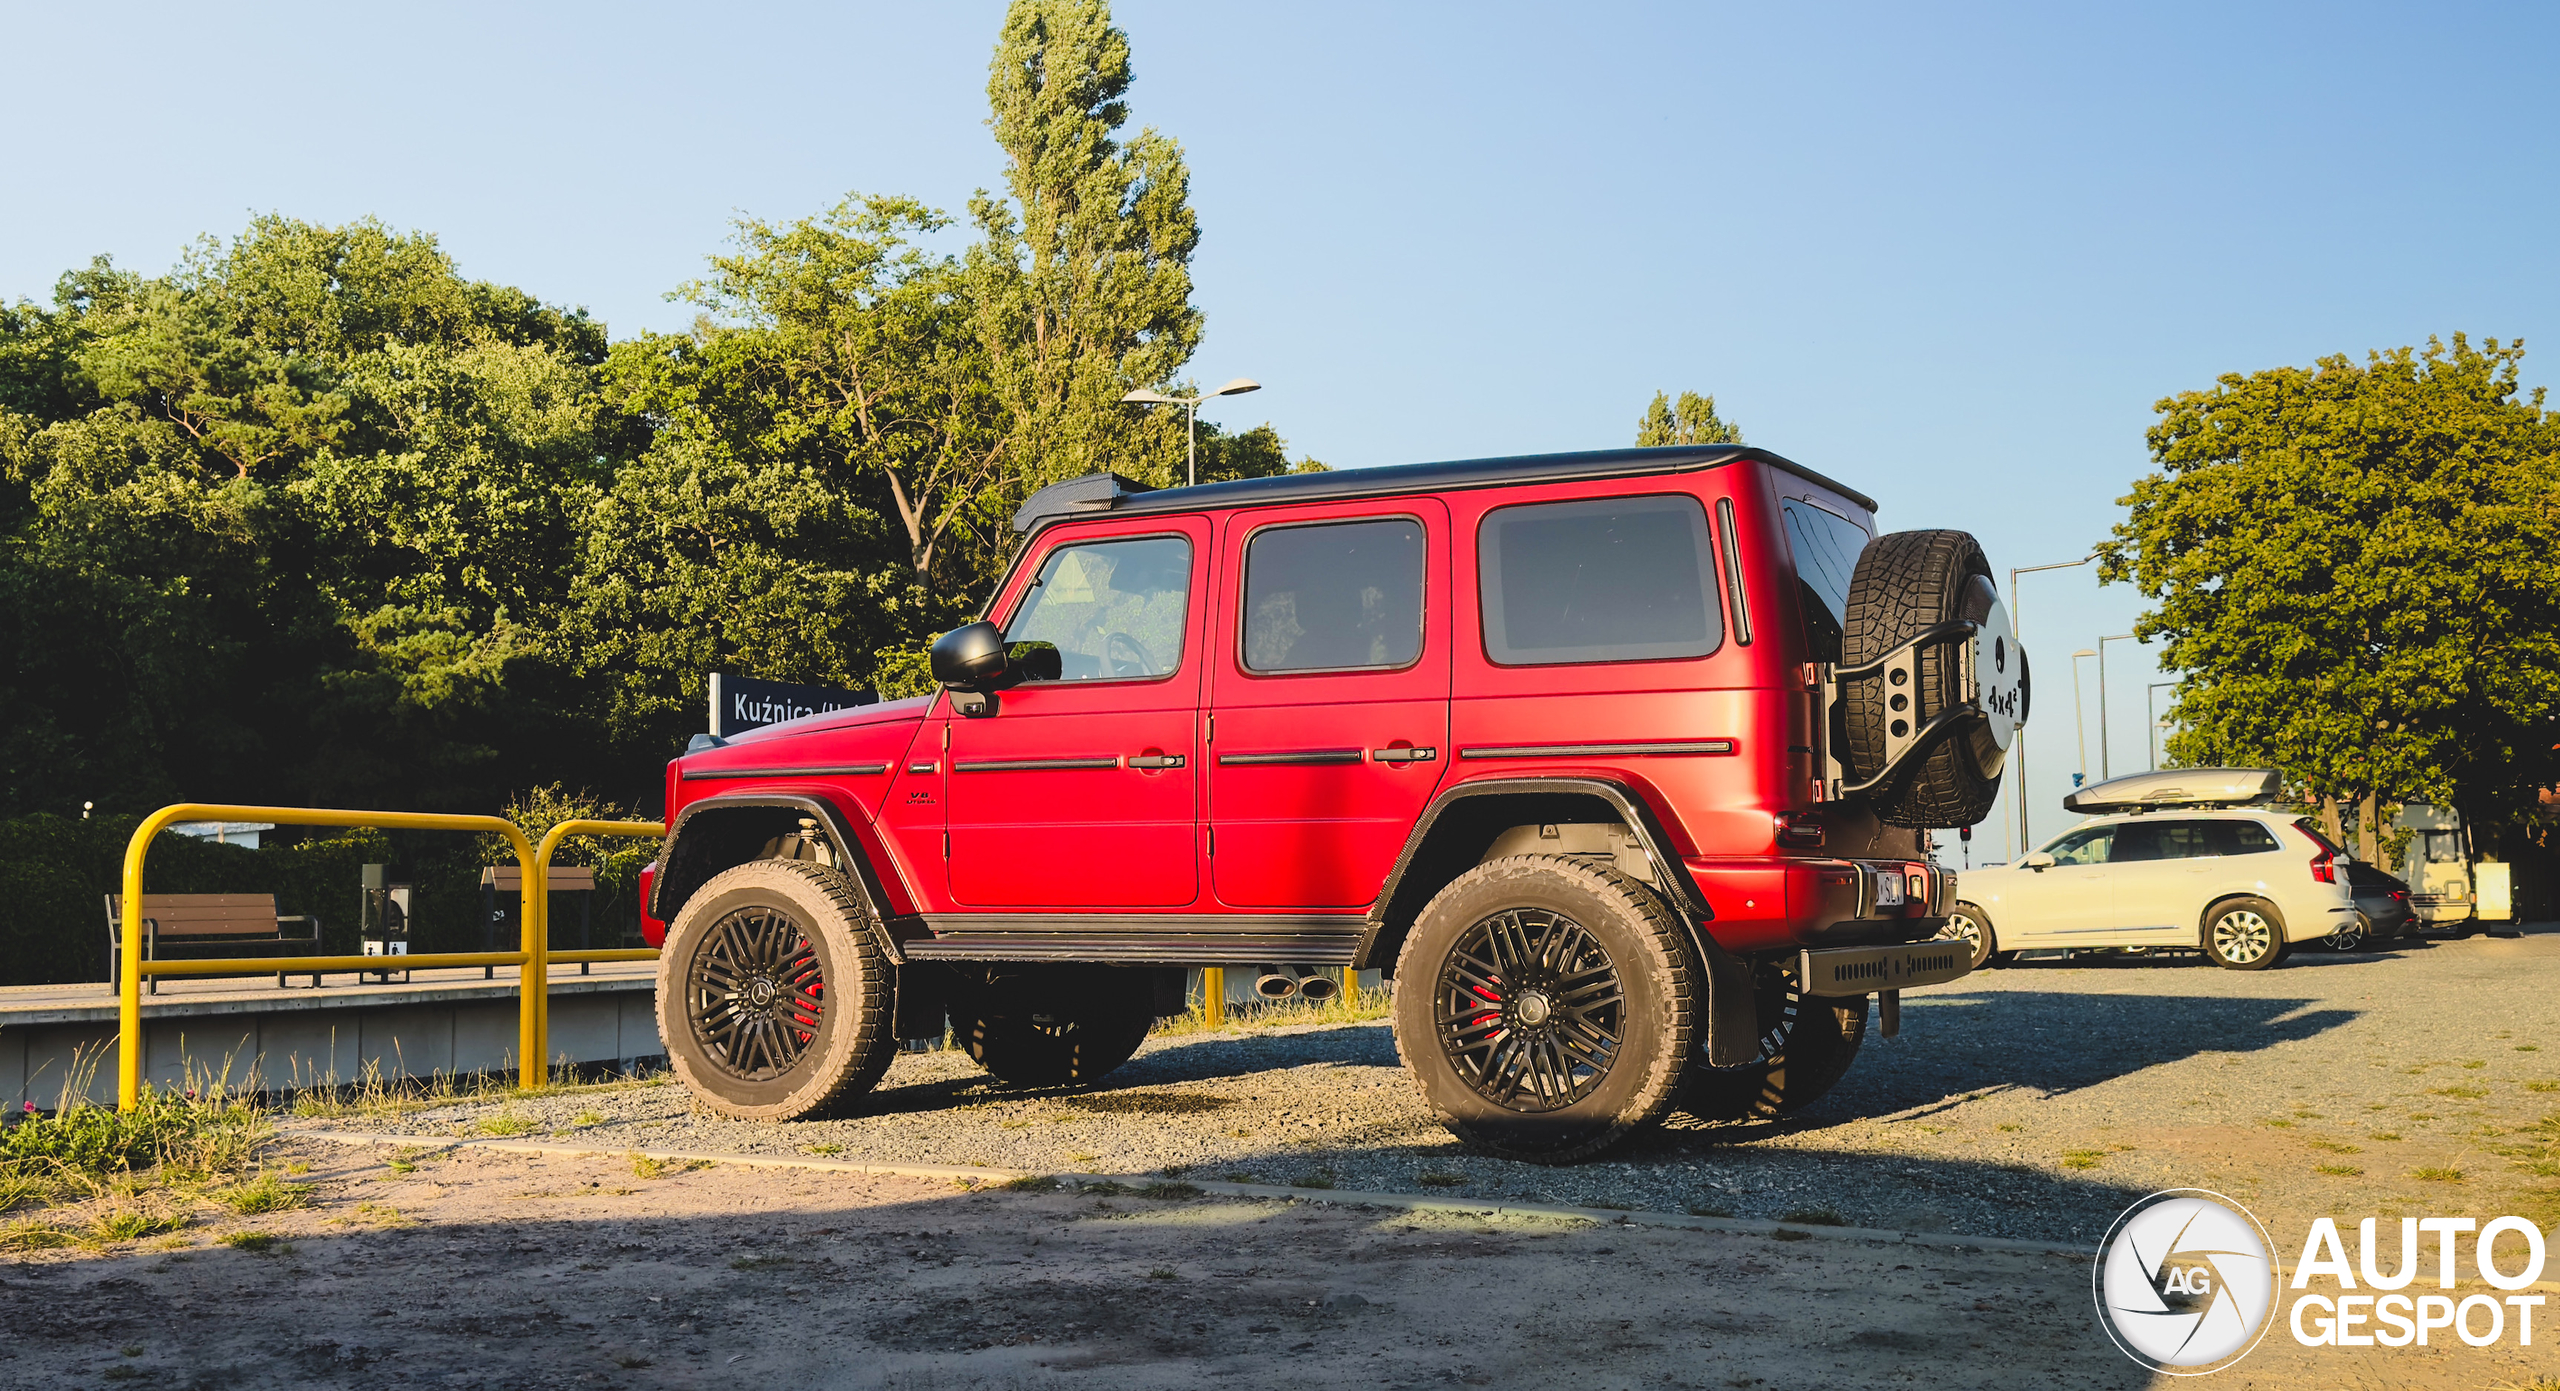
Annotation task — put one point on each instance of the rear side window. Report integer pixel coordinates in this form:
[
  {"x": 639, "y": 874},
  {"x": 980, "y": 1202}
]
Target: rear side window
[
  {"x": 2242, "y": 838},
  {"x": 1333, "y": 597},
  {"x": 1826, "y": 547},
  {"x": 2186, "y": 840},
  {"x": 1608, "y": 580}
]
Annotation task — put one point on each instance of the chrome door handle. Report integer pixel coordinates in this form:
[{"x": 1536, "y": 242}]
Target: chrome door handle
[
  {"x": 1404, "y": 755},
  {"x": 1155, "y": 760}
]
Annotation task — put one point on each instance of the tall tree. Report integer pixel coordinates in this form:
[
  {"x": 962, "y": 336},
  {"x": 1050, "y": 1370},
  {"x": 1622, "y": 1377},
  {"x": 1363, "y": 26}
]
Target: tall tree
[
  {"x": 1692, "y": 420},
  {"x": 1084, "y": 272},
  {"x": 2351, "y": 567}
]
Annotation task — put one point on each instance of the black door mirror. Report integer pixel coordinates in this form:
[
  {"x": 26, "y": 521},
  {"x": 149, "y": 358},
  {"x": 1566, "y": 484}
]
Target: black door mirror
[{"x": 969, "y": 657}]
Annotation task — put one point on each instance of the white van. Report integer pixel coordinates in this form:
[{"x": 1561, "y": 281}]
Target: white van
[
  {"x": 2437, "y": 865},
  {"x": 2182, "y": 858}
]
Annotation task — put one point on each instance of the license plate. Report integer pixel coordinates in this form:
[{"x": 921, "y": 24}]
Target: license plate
[{"x": 1889, "y": 888}]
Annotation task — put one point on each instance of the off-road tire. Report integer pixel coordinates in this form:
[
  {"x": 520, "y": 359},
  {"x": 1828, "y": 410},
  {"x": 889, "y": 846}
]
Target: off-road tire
[
  {"x": 2227, "y": 935},
  {"x": 839, "y": 1059},
  {"x": 1040, "y": 1049},
  {"x": 1906, "y": 583},
  {"x": 1968, "y": 923},
  {"x": 1656, "y": 974},
  {"x": 1806, "y": 1045}
]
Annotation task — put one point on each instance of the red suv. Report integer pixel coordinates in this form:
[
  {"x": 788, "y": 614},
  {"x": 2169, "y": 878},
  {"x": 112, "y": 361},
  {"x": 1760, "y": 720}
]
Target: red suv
[{"x": 1618, "y": 764}]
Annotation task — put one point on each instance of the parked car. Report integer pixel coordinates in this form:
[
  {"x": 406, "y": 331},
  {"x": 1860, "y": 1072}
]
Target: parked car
[
  {"x": 1617, "y": 763},
  {"x": 2383, "y": 898},
  {"x": 2181, "y": 859}
]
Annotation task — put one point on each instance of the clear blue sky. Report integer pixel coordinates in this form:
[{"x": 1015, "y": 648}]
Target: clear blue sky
[{"x": 1949, "y": 254}]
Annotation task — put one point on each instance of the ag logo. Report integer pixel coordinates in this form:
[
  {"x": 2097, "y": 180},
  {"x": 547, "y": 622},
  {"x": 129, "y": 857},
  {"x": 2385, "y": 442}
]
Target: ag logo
[{"x": 2185, "y": 1283}]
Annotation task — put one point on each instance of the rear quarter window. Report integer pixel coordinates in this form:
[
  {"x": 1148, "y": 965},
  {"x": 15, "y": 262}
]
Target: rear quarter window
[
  {"x": 1605, "y": 580},
  {"x": 1826, "y": 547}
]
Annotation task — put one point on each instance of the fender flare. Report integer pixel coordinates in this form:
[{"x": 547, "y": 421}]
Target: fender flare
[
  {"x": 831, "y": 820},
  {"x": 1733, "y": 1023}
]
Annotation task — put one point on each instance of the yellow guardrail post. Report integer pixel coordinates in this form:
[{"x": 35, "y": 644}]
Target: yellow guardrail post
[
  {"x": 536, "y": 1042},
  {"x": 129, "y": 982}
]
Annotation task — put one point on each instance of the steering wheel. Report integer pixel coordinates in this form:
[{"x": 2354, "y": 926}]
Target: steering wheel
[{"x": 1126, "y": 656}]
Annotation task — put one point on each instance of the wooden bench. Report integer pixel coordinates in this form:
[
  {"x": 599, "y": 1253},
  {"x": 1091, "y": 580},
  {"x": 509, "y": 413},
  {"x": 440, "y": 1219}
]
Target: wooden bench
[
  {"x": 502, "y": 897},
  {"x": 203, "y": 927}
]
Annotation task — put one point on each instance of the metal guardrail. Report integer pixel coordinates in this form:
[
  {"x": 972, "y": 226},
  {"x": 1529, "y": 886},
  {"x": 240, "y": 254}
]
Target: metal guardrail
[{"x": 533, "y": 957}]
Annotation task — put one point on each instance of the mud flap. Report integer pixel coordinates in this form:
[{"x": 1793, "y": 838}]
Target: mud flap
[{"x": 1733, "y": 1006}]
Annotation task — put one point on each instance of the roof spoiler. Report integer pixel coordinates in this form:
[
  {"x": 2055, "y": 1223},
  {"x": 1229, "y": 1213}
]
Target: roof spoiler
[
  {"x": 1094, "y": 492},
  {"x": 2178, "y": 787}
]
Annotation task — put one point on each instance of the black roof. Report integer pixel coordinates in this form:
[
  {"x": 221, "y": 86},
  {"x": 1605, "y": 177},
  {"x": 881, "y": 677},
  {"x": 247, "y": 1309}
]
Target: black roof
[{"x": 1109, "y": 492}]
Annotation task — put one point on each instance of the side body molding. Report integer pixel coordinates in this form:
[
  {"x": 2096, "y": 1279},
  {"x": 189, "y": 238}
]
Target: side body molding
[{"x": 697, "y": 850}]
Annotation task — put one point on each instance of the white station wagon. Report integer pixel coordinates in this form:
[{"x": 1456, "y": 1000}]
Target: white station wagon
[{"x": 2185, "y": 857}]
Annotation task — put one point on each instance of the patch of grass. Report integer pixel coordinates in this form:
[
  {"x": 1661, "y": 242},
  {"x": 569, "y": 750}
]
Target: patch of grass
[
  {"x": 2337, "y": 1170},
  {"x": 1816, "y": 1217},
  {"x": 1080, "y": 1158},
  {"x": 2008, "y": 1127},
  {"x": 256, "y": 1243},
  {"x": 588, "y": 1118},
  {"x": 2543, "y": 1086},
  {"x": 2422, "y": 1115},
  {"x": 1607, "y": 1205},
  {"x": 265, "y": 1193},
  {"x": 2278, "y": 1124},
  {"x": 507, "y": 1122},
  {"x": 1170, "y": 1191},
  {"x": 29, "y": 1234},
  {"x": 132, "y": 1224},
  {"x": 1703, "y": 1210},
  {"x": 1242, "y": 1178},
  {"x": 1160, "y": 1273},
  {"x": 2334, "y": 1147},
  {"x": 2082, "y": 1159},
  {"x": 2528, "y": 1047},
  {"x": 1436, "y": 1179},
  {"x": 2460, "y": 1093},
  {"x": 1785, "y": 1234},
  {"x": 630, "y": 1362},
  {"x": 2437, "y": 1175},
  {"x": 381, "y": 1213},
  {"x": 646, "y": 1166},
  {"x": 826, "y": 1149},
  {"x": 2384, "y": 1135},
  {"x": 2475, "y": 1063},
  {"x": 1106, "y": 1188},
  {"x": 1029, "y": 1183},
  {"x": 1321, "y": 1178},
  {"x": 131, "y": 1349}
]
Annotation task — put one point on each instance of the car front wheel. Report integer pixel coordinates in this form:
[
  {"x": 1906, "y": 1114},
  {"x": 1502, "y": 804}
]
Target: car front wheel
[{"x": 2246, "y": 934}]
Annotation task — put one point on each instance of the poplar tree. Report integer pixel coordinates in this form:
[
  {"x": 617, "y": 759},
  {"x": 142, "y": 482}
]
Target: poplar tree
[{"x": 1692, "y": 420}]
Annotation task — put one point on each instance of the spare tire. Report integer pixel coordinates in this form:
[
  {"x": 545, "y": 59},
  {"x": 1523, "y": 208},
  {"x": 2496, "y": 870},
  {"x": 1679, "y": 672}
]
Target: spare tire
[{"x": 1906, "y": 583}]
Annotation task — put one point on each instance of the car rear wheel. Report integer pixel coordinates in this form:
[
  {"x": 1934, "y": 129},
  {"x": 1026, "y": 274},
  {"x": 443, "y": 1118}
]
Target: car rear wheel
[
  {"x": 1806, "y": 1045},
  {"x": 2347, "y": 936},
  {"x": 2245, "y": 934},
  {"x": 773, "y": 998},
  {"x": 1544, "y": 1007}
]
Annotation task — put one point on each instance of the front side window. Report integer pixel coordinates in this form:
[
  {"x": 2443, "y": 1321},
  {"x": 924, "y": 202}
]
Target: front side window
[
  {"x": 1610, "y": 580},
  {"x": 1339, "y": 596},
  {"x": 2082, "y": 847},
  {"x": 1113, "y": 609},
  {"x": 1826, "y": 547}
]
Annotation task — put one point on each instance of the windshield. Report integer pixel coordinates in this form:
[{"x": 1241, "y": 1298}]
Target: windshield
[{"x": 1826, "y": 547}]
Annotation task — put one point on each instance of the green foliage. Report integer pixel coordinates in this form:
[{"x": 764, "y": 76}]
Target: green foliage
[
  {"x": 1692, "y": 420},
  {"x": 2351, "y": 565}
]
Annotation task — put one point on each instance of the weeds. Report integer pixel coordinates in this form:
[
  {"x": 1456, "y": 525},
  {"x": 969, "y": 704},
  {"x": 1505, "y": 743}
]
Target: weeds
[
  {"x": 2334, "y": 1147},
  {"x": 506, "y": 1122},
  {"x": 1440, "y": 1180},
  {"x": 1160, "y": 1273},
  {"x": 2088, "y": 1159},
  {"x": 30, "y": 1234},
  {"x": 257, "y": 1243},
  {"x": 1783, "y": 1234},
  {"x": 2460, "y": 1093},
  {"x": 2542, "y": 1086},
  {"x": 1359, "y": 1005},
  {"x": 1030, "y": 1183},
  {"x": 1816, "y": 1217},
  {"x": 1704, "y": 1210},
  {"x": 2437, "y": 1175},
  {"x": 131, "y": 1224},
  {"x": 1321, "y": 1178},
  {"x": 2338, "y": 1170},
  {"x": 586, "y": 1118},
  {"x": 1170, "y": 1191},
  {"x": 265, "y": 1193},
  {"x": 646, "y": 1167},
  {"x": 2384, "y": 1135}
]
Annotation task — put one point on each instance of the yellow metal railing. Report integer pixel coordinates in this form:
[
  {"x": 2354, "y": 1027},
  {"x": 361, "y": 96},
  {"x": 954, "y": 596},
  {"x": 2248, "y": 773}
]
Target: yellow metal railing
[{"x": 533, "y": 957}]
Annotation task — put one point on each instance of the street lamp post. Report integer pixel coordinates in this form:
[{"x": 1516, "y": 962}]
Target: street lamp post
[
  {"x": 2018, "y": 629},
  {"x": 1191, "y": 403},
  {"x": 2102, "y": 698},
  {"x": 2150, "y": 710},
  {"x": 2080, "y": 724}
]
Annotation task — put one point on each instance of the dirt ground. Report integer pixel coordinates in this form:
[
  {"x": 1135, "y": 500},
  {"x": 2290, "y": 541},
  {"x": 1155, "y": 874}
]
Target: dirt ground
[{"x": 478, "y": 1269}]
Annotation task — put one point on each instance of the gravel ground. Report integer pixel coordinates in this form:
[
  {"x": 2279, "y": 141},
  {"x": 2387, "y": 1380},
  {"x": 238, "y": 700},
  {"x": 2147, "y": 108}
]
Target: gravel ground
[{"x": 2033, "y": 1102}]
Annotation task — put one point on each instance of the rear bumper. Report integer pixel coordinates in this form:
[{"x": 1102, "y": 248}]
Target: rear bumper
[
  {"x": 1778, "y": 904},
  {"x": 1866, "y": 970}
]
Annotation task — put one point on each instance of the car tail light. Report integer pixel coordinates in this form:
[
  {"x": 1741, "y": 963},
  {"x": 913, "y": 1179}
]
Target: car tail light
[
  {"x": 652, "y": 930},
  {"x": 2324, "y": 866},
  {"x": 1800, "y": 830}
]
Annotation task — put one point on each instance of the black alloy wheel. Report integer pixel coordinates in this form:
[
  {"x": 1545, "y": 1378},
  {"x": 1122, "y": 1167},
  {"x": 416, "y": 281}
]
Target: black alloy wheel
[
  {"x": 1530, "y": 1009},
  {"x": 1548, "y": 1006},
  {"x": 774, "y": 999},
  {"x": 755, "y": 994}
]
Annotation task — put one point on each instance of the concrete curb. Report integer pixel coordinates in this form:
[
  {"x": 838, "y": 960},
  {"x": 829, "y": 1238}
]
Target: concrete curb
[{"x": 1341, "y": 1197}]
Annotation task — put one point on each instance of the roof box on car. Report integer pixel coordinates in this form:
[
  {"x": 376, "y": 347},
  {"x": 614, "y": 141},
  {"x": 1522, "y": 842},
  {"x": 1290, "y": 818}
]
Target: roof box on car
[{"x": 2178, "y": 787}]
